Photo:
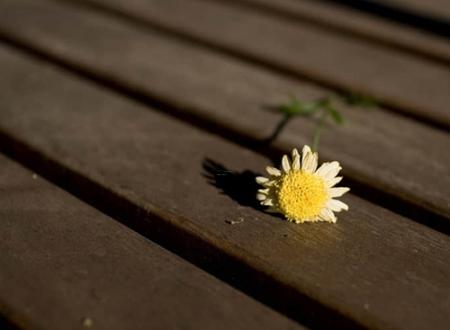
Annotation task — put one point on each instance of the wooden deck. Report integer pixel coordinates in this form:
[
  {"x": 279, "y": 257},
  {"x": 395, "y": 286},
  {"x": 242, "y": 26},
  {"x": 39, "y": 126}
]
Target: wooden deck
[{"x": 116, "y": 114}]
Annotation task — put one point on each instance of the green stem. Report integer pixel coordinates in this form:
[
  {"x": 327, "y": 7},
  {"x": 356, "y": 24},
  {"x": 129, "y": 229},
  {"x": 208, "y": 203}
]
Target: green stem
[
  {"x": 286, "y": 118},
  {"x": 318, "y": 131}
]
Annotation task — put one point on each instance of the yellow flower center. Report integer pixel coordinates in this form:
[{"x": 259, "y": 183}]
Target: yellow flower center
[{"x": 301, "y": 195}]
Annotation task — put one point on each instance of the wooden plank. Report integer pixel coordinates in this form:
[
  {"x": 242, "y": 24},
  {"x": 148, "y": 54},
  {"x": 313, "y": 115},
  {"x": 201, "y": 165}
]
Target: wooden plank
[
  {"x": 405, "y": 83},
  {"x": 63, "y": 262},
  {"x": 335, "y": 17},
  {"x": 231, "y": 97},
  {"x": 374, "y": 267}
]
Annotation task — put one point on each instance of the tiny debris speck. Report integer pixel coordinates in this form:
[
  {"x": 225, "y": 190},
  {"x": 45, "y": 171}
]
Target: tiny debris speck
[
  {"x": 34, "y": 176},
  {"x": 234, "y": 222},
  {"x": 87, "y": 322}
]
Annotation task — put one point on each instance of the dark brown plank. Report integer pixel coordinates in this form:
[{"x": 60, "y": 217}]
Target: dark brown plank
[
  {"x": 377, "y": 148},
  {"x": 63, "y": 262},
  {"x": 339, "y": 19},
  {"x": 407, "y": 83},
  {"x": 378, "y": 269}
]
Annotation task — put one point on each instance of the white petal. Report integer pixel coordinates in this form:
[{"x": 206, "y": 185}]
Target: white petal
[
  {"x": 285, "y": 164},
  {"x": 269, "y": 183},
  {"x": 334, "y": 181},
  {"x": 261, "y": 197},
  {"x": 264, "y": 191},
  {"x": 306, "y": 150},
  {"x": 329, "y": 170},
  {"x": 305, "y": 161},
  {"x": 327, "y": 215},
  {"x": 309, "y": 163},
  {"x": 337, "y": 192},
  {"x": 314, "y": 162},
  {"x": 295, "y": 153},
  {"x": 261, "y": 179},
  {"x": 336, "y": 206},
  {"x": 334, "y": 170},
  {"x": 305, "y": 153},
  {"x": 273, "y": 171},
  {"x": 323, "y": 169},
  {"x": 296, "y": 162},
  {"x": 267, "y": 202}
]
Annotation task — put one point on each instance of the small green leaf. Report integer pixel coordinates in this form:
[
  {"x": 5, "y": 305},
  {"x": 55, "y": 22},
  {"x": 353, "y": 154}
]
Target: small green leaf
[
  {"x": 336, "y": 115},
  {"x": 287, "y": 110},
  {"x": 308, "y": 108},
  {"x": 290, "y": 109},
  {"x": 301, "y": 108},
  {"x": 319, "y": 108}
]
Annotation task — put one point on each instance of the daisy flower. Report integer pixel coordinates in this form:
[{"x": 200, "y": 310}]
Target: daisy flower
[{"x": 302, "y": 192}]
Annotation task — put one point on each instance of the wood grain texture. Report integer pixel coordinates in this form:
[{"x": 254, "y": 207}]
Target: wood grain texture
[
  {"x": 377, "y": 148},
  {"x": 374, "y": 267},
  {"x": 339, "y": 19},
  {"x": 63, "y": 262},
  {"x": 407, "y": 83}
]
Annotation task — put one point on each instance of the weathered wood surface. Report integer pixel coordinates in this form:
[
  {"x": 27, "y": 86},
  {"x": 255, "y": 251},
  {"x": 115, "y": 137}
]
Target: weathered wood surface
[
  {"x": 233, "y": 96},
  {"x": 63, "y": 262},
  {"x": 336, "y": 18},
  {"x": 405, "y": 82},
  {"x": 375, "y": 268}
]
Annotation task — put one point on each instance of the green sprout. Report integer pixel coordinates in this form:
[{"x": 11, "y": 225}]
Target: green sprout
[{"x": 323, "y": 108}]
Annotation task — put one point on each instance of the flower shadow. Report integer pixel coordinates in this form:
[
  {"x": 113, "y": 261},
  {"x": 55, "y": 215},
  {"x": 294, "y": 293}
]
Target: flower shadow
[{"x": 239, "y": 186}]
